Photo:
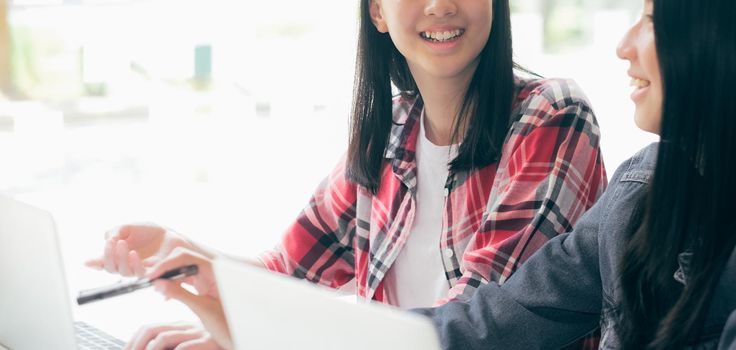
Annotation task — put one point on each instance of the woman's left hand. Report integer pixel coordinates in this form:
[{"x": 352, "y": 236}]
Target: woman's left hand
[{"x": 206, "y": 303}]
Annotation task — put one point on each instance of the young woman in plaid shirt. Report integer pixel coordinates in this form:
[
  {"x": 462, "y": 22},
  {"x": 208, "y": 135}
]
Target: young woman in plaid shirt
[{"x": 450, "y": 184}]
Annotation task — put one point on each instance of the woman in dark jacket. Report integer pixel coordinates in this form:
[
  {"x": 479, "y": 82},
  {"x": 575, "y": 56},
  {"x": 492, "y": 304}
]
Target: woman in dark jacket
[{"x": 653, "y": 262}]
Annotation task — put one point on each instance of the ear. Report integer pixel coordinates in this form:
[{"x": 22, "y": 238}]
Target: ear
[{"x": 377, "y": 17}]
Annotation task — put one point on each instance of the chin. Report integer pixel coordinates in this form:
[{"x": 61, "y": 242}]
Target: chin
[{"x": 647, "y": 124}]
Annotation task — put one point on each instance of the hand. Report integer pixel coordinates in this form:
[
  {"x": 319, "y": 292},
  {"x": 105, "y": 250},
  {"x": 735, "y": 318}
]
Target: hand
[
  {"x": 179, "y": 336},
  {"x": 130, "y": 249},
  {"x": 206, "y": 303}
]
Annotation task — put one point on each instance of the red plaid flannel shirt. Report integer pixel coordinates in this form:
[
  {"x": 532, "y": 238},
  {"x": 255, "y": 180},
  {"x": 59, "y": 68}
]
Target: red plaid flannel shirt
[{"x": 549, "y": 173}]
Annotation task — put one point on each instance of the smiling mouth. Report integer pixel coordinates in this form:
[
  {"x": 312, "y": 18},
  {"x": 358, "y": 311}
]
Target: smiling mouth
[
  {"x": 640, "y": 83},
  {"x": 443, "y": 36}
]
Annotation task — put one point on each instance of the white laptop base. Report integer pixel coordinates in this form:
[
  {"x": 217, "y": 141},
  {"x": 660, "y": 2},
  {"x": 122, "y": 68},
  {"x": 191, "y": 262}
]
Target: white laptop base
[{"x": 266, "y": 310}]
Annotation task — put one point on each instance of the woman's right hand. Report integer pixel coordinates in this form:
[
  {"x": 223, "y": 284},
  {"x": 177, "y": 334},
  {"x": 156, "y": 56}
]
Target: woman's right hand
[
  {"x": 130, "y": 249},
  {"x": 180, "y": 336}
]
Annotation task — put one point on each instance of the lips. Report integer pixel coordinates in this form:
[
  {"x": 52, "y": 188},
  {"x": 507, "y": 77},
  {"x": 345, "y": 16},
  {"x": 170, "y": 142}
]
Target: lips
[
  {"x": 641, "y": 88},
  {"x": 442, "y": 35},
  {"x": 639, "y": 83}
]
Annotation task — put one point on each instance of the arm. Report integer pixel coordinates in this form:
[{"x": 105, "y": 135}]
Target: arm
[
  {"x": 130, "y": 249},
  {"x": 552, "y": 300},
  {"x": 318, "y": 246},
  {"x": 550, "y": 173}
]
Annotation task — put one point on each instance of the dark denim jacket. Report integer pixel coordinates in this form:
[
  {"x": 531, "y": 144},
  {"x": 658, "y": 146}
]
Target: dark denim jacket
[{"x": 567, "y": 288}]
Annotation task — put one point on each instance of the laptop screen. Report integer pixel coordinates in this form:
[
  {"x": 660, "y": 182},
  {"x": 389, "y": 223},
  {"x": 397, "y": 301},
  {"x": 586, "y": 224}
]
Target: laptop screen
[{"x": 34, "y": 303}]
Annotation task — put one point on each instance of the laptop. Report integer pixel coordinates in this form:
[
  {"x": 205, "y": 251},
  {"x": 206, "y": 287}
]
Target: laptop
[
  {"x": 266, "y": 310},
  {"x": 35, "y": 310}
]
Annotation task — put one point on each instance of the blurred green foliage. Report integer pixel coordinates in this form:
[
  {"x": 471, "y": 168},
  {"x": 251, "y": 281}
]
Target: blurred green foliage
[{"x": 45, "y": 67}]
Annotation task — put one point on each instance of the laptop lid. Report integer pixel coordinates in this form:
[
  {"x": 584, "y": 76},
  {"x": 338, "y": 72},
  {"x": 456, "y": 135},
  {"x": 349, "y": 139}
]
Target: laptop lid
[
  {"x": 266, "y": 310},
  {"x": 34, "y": 304}
]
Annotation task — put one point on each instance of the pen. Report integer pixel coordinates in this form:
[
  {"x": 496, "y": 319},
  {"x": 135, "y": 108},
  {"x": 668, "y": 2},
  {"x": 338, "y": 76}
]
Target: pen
[{"x": 90, "y": 295}]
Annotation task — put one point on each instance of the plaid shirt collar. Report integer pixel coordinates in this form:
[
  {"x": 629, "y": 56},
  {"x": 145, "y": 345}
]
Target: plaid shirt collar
[{"x": 401, "y": 148}]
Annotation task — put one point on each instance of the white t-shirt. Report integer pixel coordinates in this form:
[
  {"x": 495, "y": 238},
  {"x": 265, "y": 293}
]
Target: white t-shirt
[{"x": 417, "y": 277}]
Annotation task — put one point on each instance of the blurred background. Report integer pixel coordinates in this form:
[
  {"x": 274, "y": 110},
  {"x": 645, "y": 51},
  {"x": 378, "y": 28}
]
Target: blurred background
[{"x": 217, "y": 117}]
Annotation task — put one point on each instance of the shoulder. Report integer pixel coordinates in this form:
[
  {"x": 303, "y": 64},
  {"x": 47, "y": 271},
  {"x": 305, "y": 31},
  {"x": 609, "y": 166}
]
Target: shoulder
[
  {"x": 639, "y": 168},
  {"x": 556, "y": 93},
  {"x": 629, "y": 184},
  {"x": 558, "y": 103},
  {"x": 623, "y": 199},
  {"x": 552, "y": 102}
]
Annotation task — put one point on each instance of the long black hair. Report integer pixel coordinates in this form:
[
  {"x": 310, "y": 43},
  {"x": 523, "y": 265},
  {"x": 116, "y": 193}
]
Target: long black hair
[
  {"x": 690, "y": 205},
  {"x": 485, "y": 113}
]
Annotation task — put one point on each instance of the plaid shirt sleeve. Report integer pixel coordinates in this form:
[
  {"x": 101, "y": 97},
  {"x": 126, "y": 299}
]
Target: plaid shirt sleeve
[
  {"x": 318, "y": 245},
  {"x": 549, "y": 174}
]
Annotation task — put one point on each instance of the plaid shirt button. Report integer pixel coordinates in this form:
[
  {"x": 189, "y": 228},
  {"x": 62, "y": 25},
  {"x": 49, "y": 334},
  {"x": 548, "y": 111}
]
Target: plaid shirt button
[{"x": 449, "y": 253}]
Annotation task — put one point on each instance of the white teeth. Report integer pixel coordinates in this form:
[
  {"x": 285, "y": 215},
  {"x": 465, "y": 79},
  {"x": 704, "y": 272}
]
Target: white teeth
[
  {"x": 640, "y": 83},
  {"x": 442, "y": 36}
]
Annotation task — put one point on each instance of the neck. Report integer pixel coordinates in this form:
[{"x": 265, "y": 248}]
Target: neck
[{"x": 443, "y": 98}]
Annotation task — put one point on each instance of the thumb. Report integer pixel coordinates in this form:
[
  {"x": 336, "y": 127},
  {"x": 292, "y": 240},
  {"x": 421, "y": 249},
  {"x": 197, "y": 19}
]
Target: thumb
[
  {"x": 173, "y": 290},
  {"x": 97, "y": 264}
]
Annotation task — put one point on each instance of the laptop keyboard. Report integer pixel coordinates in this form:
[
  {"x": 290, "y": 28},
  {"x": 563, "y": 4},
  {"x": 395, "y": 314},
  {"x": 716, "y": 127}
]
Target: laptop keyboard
[{"x": 91, "y": 338}]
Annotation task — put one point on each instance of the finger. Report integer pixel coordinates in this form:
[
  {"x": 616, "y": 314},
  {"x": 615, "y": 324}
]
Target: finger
[
  {"x": 208, "y": 309},
  {"x": 145, "y": 334},
  {"x": 172, "y": 290},
  {"x": 116, "y": 233},
  {"x": 136, "y": 264},
  {"x": 97, "y": 264},
  {"x": 204, "y": 343},
  {"x": 151, "y": 261},
  {"x": 121, "y": 258},
  {"x": 109, "y": 257},
  {"x": 179, "y": 257},
  {"x": 170, "y": 339}
]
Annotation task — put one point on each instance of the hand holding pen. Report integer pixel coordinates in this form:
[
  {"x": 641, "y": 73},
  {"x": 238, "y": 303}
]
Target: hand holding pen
[
  {"x": 206, "y": 302},
  {"x": 88, "y": 296}
]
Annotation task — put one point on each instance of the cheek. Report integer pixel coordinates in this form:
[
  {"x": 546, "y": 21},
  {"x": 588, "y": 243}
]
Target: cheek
[
  {"x": 652, "y": 115},
  {"x": 399, "y": 27},
  {"x": 482, "y": 29},
  {"x": 647, "y": 123},
  {"x": 650, "y": 62},
  {"x": 482, "y": 16},
  {"x": 398, "y": 34},
  {"x": 656, "y": 118},
  {"x": 648, "y": 115}
]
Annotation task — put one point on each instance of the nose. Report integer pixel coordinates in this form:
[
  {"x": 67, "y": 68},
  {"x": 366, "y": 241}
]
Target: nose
[
  {"x": 625, "y": 49},
  {"x": 440, "y": 8}
]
